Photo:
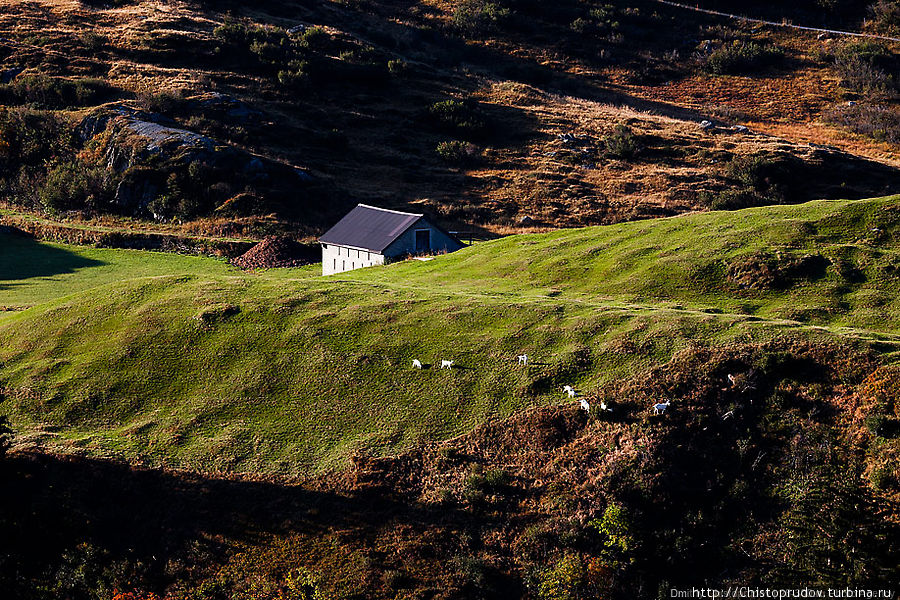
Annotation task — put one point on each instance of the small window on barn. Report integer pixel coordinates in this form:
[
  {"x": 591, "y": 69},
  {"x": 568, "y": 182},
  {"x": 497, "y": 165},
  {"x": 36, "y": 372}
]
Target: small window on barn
[{"x": 423, "y": 240}]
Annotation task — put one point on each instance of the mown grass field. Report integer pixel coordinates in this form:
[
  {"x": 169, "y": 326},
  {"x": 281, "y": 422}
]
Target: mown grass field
[{"x": 188, "y": 362}]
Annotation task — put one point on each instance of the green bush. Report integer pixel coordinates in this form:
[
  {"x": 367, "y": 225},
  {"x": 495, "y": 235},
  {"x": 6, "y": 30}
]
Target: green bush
[
  {"x": 301, "y": 584},
  {"x": 163, "y": 102},
  {"x": 42, "y": 91},
  {"x": 867, "y": 68},
  {"x": 741, "y": 57},
  {"x": 761, "y": 179},
  {"x": 878, "y": 122},
  {"x": 616, "y": 532},
  {"x": 732, "y": 199},
  {"x": 562, "y": 581},
  {"x": 488, "y": 482},
  {"x": 74, "y": 185},
  {"x": 268, "y": 44},
  {"x": 478, "y": 17},
  {"x": 297, "y": 74},
  {"x": 884, "y": 478},
  {"x": 460, "y": 117},
  {"x": 314, "y": 38},
  {"x": 456, "y": 152},
  {"x": 621, "y": 143},
  {"x": 757, "y": 171},
  {"x": 877, "y": 424},
  {"x": 396, "y": 66},
  {"x": 886, "y": 15},
  {"x": 31, "y": 138}
]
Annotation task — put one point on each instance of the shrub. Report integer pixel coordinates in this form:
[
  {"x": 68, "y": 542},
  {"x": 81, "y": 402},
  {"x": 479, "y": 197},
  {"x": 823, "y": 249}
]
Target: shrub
[
  {"x": 732, "y": 199},
  {"x": 457, "y": 116},
  {"x": 741, "y": 57},
  {"x": 31, "y": 138},
  {"x": 605, "y": 17},
  {"x": 303, "y": 585},
  {"x": 877, "y": 424},
  {"x": 762, "y": 179},
  {"x": 886, "y": 14},
  {"x": 74, "y": 185},
  {"x": 569, "y": 579},
  {"x": 163, "y": 102},
  {"x": 268, "y": 44},
  {"x": 476, "y": 578},
  {"x": 296, "y": 75},
  {"x": 616, "y": 533},
  {"x": 621, "y": 143},
  {"x": 456, "y": 152},
  {"x": 94, "y": 41},
  {"x": 877, "y": 122},
  {"x": 580, "y": 25},
  {"x": 396, "y": 66},
  {"x": 493, "y": 481},
  {"x": 42, "y": 91},
  {"x": 756, "y": 171},
  {"x": 883, "y": 478},
  {"x": 314, "y": 38},
  {"x": 866, "y": 67},
  {"x": 476, "y": 17}
]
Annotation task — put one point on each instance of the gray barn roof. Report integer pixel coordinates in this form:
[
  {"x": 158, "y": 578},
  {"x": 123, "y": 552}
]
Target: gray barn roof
[{"x": 369, "y": 228}]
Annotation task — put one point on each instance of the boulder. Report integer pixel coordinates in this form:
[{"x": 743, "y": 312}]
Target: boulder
[{"x": 146, "y": 148}]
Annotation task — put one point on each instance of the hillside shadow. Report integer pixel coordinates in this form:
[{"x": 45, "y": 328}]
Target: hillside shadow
[
  {"x": 151, "y": 517},
  {"x": 22, "y": 257}
]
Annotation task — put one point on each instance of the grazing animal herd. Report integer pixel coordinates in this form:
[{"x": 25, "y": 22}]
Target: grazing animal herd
[{"x": 658, "y": 409}]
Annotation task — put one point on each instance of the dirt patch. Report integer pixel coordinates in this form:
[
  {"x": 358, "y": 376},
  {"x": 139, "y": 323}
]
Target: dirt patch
[{"x": 277, "y": 251}]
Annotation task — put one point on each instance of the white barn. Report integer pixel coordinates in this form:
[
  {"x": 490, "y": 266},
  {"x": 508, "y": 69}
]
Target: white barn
[{"x": 369, "y": 236}]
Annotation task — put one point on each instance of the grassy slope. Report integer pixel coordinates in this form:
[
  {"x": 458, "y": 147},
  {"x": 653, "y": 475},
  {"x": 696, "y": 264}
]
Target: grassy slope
[
  {"x": 32, "y": 273},
  {"x": 209, "y": 368}
]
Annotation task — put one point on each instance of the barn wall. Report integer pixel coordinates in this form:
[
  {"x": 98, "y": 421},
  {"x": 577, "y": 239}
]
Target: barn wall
[
  {"x": 406, "y": 243},
  {"x": 337, "y": 259}
]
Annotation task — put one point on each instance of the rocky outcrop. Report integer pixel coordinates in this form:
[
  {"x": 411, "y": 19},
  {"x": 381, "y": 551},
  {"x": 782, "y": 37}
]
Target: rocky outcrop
[{"x": 146, "y": 149}]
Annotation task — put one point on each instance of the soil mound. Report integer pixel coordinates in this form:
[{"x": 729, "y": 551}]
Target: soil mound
[{"x": 276, "y": 251}]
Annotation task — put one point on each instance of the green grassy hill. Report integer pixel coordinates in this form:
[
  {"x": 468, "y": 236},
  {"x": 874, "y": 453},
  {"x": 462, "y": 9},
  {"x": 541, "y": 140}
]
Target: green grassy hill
[{"x": 188, "y": 362}]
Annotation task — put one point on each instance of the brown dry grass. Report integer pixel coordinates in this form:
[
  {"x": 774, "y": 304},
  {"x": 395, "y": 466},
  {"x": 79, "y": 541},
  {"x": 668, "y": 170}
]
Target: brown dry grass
[{"x": 526, "y": 169}]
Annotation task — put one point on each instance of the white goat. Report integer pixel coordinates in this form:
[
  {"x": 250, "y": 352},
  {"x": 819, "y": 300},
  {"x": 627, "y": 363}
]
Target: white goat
[
  {"x": 659, "y": 409},
  {"x": 604, "y": 407},
  {"x": 585, "y": 405},
  {"x": 447, "y": 364},
  {"x": 523, "y": 359},
  {"x": 417, "y": 363},
  {"x": 568, "y": 389}
]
